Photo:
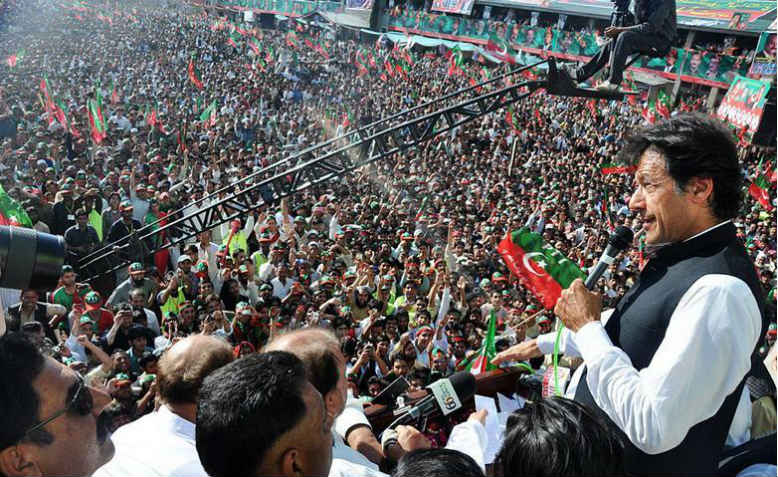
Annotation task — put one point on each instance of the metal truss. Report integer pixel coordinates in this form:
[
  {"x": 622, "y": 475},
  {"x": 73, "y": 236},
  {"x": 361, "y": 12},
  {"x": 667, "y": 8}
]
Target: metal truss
[{"x": 323, "y": 162}]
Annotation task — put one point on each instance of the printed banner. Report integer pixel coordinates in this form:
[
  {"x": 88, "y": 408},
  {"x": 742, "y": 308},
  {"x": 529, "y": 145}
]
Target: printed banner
[
  {"x": 463, "y": 7},
  {"x": 764, "y": 59},
  {"x": 743, "y": 105},
  {"x": 700, "y": 67}
]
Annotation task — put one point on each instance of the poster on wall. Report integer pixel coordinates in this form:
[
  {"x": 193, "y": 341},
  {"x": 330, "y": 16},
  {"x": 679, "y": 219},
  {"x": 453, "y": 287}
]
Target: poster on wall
[
  {"x": 764, "y": 58},
  {"x": 464, "y": 7},
  {"x": 743, "y": 105}
]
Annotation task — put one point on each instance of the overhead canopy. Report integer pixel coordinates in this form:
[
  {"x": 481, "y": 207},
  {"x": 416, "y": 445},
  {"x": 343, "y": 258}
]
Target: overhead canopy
[{"x": 756, "y": 15}]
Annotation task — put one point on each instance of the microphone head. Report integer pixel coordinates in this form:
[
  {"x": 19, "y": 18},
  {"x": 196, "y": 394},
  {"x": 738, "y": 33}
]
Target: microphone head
[
  {"x": 621, "y": 238},
  {"x": 464, "y": 384}
]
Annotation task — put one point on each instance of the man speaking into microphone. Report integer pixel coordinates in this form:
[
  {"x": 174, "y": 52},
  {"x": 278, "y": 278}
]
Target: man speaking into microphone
[{"x": 668, "y": 364}]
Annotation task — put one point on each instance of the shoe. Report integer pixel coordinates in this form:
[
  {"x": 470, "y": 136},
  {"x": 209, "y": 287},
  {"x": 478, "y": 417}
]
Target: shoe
[{"x": 607, "y": 86}]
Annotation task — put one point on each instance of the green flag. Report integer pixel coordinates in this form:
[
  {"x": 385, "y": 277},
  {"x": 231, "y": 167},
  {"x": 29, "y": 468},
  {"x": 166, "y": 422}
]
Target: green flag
[
  {"x": 11, "y": 213},
  {"x": 541, "y": 268},
  {"x": 482, "y": 360}
]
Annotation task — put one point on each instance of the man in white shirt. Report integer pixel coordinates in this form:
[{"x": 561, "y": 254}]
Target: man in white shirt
[
  {"x": 668, "y": 365},
  {"x": 163, "y": 443},
  {"x": 356, "y": 451}
]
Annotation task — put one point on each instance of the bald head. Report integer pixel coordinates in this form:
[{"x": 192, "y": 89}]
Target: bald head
[
  {"x": 185, "y": 365},
  {"x": 325, "y": 366},
  {"x": 296, "y": 342}
]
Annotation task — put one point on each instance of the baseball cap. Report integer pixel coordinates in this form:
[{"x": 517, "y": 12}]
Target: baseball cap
[
  {"x": 135, "y": 268},
  {"x": 93, "y": 301},
  {"x": 183, "y": 258}
]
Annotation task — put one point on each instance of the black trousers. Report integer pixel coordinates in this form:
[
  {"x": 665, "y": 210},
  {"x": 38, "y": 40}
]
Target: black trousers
[{"x": 625, "y": 44}]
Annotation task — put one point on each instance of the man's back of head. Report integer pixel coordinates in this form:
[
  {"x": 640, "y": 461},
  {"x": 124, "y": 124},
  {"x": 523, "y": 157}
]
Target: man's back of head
[
  {"x": 184, "y": 366},
  {"x": 319, "y": 351},
  {"x": 437, "y": 463},
  {"x": 558, "y": 436},
  {"x": 259, "y": 415}
]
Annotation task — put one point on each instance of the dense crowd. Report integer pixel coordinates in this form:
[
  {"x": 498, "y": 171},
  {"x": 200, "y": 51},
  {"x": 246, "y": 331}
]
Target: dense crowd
[{"x": 398, "y": 258}]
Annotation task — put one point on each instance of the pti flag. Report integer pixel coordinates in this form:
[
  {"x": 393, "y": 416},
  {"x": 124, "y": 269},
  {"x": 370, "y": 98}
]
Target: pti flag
[
  {"x": 11, "y": 213},
  {"x": 743, "y": 105},
  {"x": 481, "y": 361},
  {"x": 542, "y": 269}
]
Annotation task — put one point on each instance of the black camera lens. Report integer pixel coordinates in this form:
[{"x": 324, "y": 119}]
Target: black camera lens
[{"x": 30, "y": 259}]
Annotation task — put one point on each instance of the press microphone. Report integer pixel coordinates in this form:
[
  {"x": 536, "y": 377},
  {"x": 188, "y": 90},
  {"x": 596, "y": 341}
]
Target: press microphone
[
  {"x": 446, "y": 396},
  {"x": 620, "y": 240}
]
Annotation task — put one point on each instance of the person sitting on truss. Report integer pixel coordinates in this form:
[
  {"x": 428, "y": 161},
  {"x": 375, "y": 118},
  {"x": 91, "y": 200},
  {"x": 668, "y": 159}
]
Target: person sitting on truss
[{"x": 654, "y": 31}]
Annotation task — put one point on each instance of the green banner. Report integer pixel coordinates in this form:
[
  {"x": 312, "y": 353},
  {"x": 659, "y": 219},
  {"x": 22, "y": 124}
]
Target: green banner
[
  {"x": 698, "y": 66},
  {"x": 743, "y": 106}
]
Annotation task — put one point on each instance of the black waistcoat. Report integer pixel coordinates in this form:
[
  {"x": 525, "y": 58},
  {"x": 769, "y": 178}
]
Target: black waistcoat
[{"x": 638, "y": 326}]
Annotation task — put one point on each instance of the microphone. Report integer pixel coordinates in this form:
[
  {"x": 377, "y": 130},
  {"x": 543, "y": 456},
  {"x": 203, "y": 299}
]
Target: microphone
[
  {"x": 447, "y": 395},
  {"x": 620, "y": 240}
]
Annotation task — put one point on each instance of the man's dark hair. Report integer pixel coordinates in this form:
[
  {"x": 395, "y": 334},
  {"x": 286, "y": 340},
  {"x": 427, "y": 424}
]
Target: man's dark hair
[
  {"x": 437, "y": 463},
  {"x": 694, "y": 145},
  {"x": 558, "y": 436},
  {"x": 20, "y": 363},
  {"x": 244, "y": 407}
]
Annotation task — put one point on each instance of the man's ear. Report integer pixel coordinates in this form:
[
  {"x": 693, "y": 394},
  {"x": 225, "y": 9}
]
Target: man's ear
[
  {"x": 291, "y": 465},
  {"x": 17, "y": 461},
  {"x": 700, "y": 190},
  {"x": 331, "y": 402}
]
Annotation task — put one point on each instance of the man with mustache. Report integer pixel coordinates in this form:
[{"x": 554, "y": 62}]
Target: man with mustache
[{"x": 52, "y": 422}]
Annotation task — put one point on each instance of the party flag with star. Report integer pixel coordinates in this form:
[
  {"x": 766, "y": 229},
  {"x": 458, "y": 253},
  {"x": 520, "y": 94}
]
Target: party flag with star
[
  {"x": 542, "y": 269},
  {"x": 481, "y": 360}
]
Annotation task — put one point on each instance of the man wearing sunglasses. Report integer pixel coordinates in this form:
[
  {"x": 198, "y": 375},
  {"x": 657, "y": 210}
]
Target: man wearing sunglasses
[{"x": 52, "y": 423}]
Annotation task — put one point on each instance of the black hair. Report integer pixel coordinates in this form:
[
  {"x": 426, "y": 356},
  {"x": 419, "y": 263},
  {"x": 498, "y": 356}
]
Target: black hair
[
  {"x": 694, "y": 145},
  {"x": 437, "y": 463},
  {"x": 558, "y": 436},
  {"x": 244, "y": 407},
  {"x": 20, "y": 364}
]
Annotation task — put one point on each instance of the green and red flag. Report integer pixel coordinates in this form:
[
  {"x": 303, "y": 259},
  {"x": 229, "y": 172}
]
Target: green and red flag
[
  {"x": 348, "y": 119},
  {"x": 11, "y": 213},
  {"x": 481, "y": 360},
  {"x": 14, "y": 58},
  {"x": 760, "y": 188},
  {"x": 510, "y": 118},
  {"x": 114, "y": 94},
  {"x": 193, "y": 74},
  {"x": 389, "y": 67},
  {"x": 209, "y": 113},
  {"x": 540, "y": 268},
  {"x": 616, "y": 168},
  {"x": 255, "y": 45},
  {"x": 663, "y": 104},
  {"x": 604, "y": 201},
  {"x": 498, "y": 48},
  {"x": 649, "y": 112},
  {"x": 96, "y": 121},
  {"x": 232, "y": 41},
  {"x": 456, "y": 59},
  {"x": 291, "y": 40}
]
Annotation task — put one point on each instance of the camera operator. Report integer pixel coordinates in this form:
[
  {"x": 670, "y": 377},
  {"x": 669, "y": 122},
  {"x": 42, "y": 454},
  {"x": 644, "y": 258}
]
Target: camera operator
[{"x": 655, "y": 27}]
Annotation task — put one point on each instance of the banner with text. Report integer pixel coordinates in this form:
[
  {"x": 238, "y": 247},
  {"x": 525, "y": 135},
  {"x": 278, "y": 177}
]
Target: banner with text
[{"x": 743, "y": 106}]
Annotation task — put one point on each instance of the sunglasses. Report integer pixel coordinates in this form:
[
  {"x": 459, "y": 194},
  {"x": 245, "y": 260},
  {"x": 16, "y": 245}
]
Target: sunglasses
[{"x": 81, "y": 404}]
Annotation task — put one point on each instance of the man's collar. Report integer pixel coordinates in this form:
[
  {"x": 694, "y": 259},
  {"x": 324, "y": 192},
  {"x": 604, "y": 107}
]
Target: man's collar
[{"x": 716, "y": 236}]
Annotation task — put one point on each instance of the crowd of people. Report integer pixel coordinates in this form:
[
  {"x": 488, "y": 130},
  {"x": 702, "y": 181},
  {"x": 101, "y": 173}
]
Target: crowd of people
[{"x": 399, "y": 259}]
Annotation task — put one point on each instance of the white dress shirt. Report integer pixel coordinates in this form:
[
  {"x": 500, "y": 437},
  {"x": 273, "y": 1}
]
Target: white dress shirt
[
  {"x": 704, "y": 355},
  {"x": 158, "y": 444}
]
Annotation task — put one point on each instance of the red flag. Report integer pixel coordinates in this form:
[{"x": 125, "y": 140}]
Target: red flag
[
  {"x": 193, "y": 75},
  {"x": 539, "y": 267}
]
